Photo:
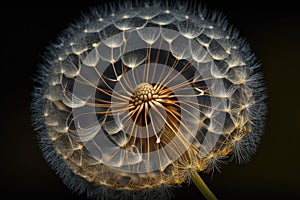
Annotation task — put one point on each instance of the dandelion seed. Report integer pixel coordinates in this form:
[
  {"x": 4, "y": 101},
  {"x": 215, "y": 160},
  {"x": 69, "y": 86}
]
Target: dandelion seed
[{"x": 145, "y": 96}]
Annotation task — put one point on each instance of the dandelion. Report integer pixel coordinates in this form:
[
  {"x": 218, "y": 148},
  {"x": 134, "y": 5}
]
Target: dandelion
[{"x": 141, "y": 97}]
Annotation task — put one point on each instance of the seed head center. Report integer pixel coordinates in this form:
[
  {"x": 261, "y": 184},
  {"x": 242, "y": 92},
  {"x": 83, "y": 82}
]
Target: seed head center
[{"x": 144, "y": 92}]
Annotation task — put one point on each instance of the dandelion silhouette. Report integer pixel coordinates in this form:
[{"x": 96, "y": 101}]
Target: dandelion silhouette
[{"x": 140, "y": 97}]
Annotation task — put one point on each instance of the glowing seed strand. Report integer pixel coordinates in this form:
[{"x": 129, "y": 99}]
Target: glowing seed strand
[
  {"x": 159, "y": 104},
  {"x": 152, "y": 124},
  {"x": 148, "y": 64},
  {"x": 101, "y": 77},
  {"x": 147, "y": 130},
  {"x": 156, "y": 60},
  {"x": 174, "y": 77},
  {"x": 139, "y": 110},
  {"x": 163, "y": 70},
  {"x": 101, "y": 90},
  {"x": 167, "y": 76},
  {"x": 125, "y": 78}
]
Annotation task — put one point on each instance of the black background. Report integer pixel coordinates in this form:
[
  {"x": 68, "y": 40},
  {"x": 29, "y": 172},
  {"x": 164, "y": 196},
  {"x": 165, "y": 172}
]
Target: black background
[{"x": 272, "y": 29}]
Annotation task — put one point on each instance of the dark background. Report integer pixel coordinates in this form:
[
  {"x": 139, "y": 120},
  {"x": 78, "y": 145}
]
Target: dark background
[{"x": 272, "y": 29}]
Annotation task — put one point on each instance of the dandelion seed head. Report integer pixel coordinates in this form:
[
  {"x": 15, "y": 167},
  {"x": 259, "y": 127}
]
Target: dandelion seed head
[{"x": 136, "y": 98}]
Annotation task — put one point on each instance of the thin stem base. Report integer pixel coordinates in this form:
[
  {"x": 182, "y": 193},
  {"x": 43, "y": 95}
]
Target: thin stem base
[{"x": 207, "y": 193}]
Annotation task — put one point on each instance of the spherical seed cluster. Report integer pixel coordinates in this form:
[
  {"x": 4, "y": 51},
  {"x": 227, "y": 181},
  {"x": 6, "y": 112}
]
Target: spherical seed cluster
[{"x": 135, "y": 98}]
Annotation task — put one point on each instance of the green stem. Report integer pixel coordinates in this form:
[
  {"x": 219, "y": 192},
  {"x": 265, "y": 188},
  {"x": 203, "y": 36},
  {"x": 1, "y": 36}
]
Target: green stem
[{"x": 202, "y": 186}]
